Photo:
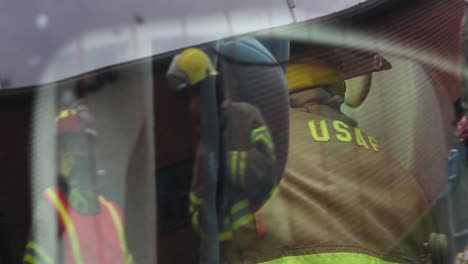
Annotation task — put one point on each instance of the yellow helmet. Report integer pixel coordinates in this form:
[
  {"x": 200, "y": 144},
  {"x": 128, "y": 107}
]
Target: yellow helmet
[
  {"x": 304, "y": 75},
  {"x": 189, "y": 68}
]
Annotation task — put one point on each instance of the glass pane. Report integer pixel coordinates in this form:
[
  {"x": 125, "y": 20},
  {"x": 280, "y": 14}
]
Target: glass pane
[
  {"x": 351, "y": 126},
  {"x": 92, "y": 177},
  {"x": 233, "y": 132}
]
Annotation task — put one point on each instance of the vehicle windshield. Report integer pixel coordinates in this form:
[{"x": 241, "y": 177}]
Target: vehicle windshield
[{"x": 234, "y": 132}]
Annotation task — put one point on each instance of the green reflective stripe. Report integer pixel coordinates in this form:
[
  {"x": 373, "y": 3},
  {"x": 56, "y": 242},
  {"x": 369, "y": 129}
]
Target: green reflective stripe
[
  {"x": 192, "y": 209},
  {"x": 274, "y": 191},
  {"x": 195, "y": 199},
  {"x": 62, "y": 114},
  {"x": 118, "y": 225},
  {"x": 65, "y": 113},
  {"x": 243, "y": 216},
  {"x": 330, "y": 258},
  {"x": 262, "y": 134},
  {"x": 266, "y": 139},
  {"x": 242, "y": 221},
  {"x": 234, "y": 161},
  {"x": 44, "y": 256},
  {"x": 238, "y": 167},
  {"x": 225, "y": 236},
  {"x": 195, "y": 223},
  {"x": 239, "y": 206},
  {"x": 29, "y": 259},
  {"x": 75, "y": 244},
  {"x": 256, "y": 131},
  {"x": 243, "y": 160},
  {"x": 238, "y": 171}
]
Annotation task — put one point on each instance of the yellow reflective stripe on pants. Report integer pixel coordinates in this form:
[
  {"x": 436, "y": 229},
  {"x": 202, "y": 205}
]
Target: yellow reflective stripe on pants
[
  {"x": 245, "y": 217},
  {"x": 29, "y": 259},
  {"x": 118, "y": 225},
  {"x": 194, "y": 199},
  {"x": 243, "y": 161},
  {"x": 195, "y": 221},
  {"x": 329, "y": 258},
  {"x": 192, "y": 209},
  {"x": 75, "y": 244},
  {"x": 238, "y": 167},
  {"x": 226, "y": 235},
  {"x": 40, "y": 252},
  {"x": 234, "y": 160}
]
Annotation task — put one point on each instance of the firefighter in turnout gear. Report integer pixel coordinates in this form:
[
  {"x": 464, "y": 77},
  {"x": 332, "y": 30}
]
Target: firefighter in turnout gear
[
  {"x": 248, "y": 148},
  {"x": 91, "y": 228},
  {"x": 343, "y": 198}
]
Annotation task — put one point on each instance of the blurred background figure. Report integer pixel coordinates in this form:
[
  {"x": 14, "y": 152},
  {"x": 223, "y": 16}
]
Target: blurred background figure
[
  {"x": 245, "y": 179},
  {"x": 91, "y": 227}
]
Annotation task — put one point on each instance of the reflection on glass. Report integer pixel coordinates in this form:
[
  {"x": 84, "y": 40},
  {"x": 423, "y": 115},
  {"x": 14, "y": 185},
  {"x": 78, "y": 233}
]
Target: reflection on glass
[
  {"x": 245, "y": 179},
  {"x": 91, "y": 226},
  {"x": 329, "y": 140}
]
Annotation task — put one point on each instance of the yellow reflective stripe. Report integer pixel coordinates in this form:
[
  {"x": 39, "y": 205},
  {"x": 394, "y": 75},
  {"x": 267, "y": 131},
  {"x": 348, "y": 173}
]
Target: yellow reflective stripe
[
  {"x": 259, "y": 131},
  {"x": 68, "y": 224},
  {"x": 118, "y": 225},
  {"x": 195, "y": 223},
  {"x": 329, "y": 258},
  {"x": 274, "y": 191},
  {"x": 242, "y": 221},
  {"x": 34, "y": 246},
  {"x": 243, "y": 160},
  {"x": 226, "y": 235},
  {"x": 62, "y": 115},
  {"x": 195, "y": 199},
  {"x": 239, "y": 206},
  {"x": 29, "y": 259},
  {"x": 256, "y": 131},
  {"x": 234, "y": 158},
  {"x": 266, "y": 139},
  {"x": 65, "y": 113},
  {"x": 262, "y": 133},
  {"x": 192, "y": 209}
]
